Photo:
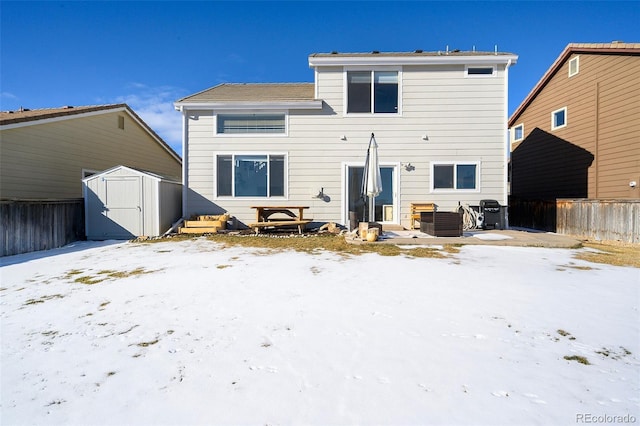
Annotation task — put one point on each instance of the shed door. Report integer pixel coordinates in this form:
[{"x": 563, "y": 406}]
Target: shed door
[{"x": 123, "y": 207}]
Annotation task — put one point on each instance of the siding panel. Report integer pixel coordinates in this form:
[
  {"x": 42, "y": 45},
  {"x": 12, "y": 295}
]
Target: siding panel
[
  {"x": 603, "y": 102},
  {"x": 45, "y": 161}
]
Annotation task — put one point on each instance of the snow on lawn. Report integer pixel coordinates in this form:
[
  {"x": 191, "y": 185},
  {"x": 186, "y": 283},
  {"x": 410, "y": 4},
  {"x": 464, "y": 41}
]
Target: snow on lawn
[{"x": 190, "y": 333}]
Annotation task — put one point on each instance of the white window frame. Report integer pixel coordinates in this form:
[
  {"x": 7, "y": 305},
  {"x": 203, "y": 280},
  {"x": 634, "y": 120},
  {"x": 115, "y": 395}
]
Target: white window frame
[
  {"x": 453, "y": 190},
  {"x": 250, "y": 135},
  {"x": 513, "y": 136},
  {"x": 553, "y": 118},
  {"x": 345, "y": 91},
  {"x": 492, "y": 75},
  {"x": 233, "y": 177},
  {"x": 575, "y": 60}
]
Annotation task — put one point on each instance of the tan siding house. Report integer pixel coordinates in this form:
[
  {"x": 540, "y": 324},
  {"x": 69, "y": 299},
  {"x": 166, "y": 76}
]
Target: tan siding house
[
  {"x": 46, "y": 153},
  {"x": 577, "y": 134},
  {"x": 439, "y": 118}
]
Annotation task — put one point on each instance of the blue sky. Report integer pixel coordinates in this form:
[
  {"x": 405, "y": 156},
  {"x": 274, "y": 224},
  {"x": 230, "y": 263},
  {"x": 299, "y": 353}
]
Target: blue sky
[{"x": 151, "y": 53}]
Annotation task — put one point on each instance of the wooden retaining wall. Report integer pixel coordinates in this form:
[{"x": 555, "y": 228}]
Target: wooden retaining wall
[
  {"x": 40, "y": 225},
  {"x": 606, "y": 220}
]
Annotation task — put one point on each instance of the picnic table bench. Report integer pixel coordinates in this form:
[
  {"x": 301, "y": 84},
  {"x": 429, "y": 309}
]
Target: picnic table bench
[{"x": 285, "y": 216}]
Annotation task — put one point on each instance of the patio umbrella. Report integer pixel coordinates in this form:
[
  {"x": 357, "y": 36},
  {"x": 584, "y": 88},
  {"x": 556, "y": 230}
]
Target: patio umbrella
[{"x": 371, "y": 179}]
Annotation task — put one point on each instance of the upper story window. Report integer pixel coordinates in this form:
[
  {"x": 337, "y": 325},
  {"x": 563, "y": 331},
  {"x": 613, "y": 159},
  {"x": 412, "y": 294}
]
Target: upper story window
[
  {"x": 454, "y": 176},
  {"x": 559, "y": 118},
  {"x": 574, "y": 66},
  {"x": 480, "y": 71},
  {"x": 518, "y": 133},
  {"x": 250, "y": 124},
  {"x": 374, "y": 92}
]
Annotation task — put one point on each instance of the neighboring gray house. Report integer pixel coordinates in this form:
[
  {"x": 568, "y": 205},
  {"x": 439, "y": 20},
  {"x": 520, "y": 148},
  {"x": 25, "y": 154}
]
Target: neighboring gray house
[{"x": 439, "y": 118}]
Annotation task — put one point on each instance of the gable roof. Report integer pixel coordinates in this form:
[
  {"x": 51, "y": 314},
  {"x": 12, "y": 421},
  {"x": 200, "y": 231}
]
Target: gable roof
[
  {"x": 614, "y": 48},
  {"x": 26, "y": 117}
]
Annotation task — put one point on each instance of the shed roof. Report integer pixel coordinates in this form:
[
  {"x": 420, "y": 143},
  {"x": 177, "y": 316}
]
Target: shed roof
[
  {"x": 134, "y": 170},
  {"x": 613, "y": 48},
  {"x": 29, "y": 116}
]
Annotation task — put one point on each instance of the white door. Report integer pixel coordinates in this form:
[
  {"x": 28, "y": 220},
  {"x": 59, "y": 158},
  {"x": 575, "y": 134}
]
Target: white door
[{"x": 123, "y": 207}]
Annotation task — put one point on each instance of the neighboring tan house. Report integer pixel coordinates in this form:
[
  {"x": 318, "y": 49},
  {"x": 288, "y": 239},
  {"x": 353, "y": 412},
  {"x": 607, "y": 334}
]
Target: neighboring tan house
[
  {"x": 577, "y": 134},
  {"x": 45, "y": 154},
  {"x": 439, "y": 119}
]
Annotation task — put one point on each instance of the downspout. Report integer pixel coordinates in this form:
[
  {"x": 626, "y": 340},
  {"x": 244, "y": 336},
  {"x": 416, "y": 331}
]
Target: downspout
[
  {"x": 185, "y": 161},
  {"x": 507, "y": 147},
  {"x": 597, "y": 131}
]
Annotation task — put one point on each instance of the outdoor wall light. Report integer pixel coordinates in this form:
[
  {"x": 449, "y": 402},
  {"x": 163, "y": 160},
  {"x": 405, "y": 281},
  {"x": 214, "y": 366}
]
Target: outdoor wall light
[
  {"x": 425, "y": 137},
  {"x": 343, "y": 137},
  {"x": 633, "y": 184}
]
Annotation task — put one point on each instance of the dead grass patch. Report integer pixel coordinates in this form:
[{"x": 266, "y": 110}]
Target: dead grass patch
[
  {"x": 103, "y": 275},
  {"x": 43, "y": 299},
  {"x": 147, "y": 344},
  {"x": 578, "y": 358},
  {"x": 574, "y": 266},
  {"x": 314, "y": 244},
  {"x": 611, "y": 254}
]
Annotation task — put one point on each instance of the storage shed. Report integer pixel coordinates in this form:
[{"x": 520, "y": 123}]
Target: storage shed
[{"x": 123, "y": 203}]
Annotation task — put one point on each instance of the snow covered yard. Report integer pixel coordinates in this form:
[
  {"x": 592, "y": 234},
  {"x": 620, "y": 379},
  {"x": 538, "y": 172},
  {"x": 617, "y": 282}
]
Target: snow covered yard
[{"x": 189, "y": 333}]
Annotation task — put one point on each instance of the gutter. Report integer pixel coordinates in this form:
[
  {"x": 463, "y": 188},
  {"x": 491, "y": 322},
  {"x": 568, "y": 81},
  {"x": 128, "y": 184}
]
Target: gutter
[{"x": 236, "y": 105}]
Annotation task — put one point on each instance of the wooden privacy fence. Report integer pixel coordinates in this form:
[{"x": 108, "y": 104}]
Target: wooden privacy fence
[
  {"x": 40, "y": 225},
  {"x": 607, "y": 220},
  {"x": 534, "y": 214}
]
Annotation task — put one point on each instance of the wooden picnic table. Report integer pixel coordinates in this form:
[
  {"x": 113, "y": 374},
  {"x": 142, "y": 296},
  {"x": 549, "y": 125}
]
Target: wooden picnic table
[{"x": 294, "y": 215}]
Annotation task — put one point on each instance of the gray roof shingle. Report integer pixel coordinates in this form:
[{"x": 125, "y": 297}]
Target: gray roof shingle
[{"x": 254, "y": 92}]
